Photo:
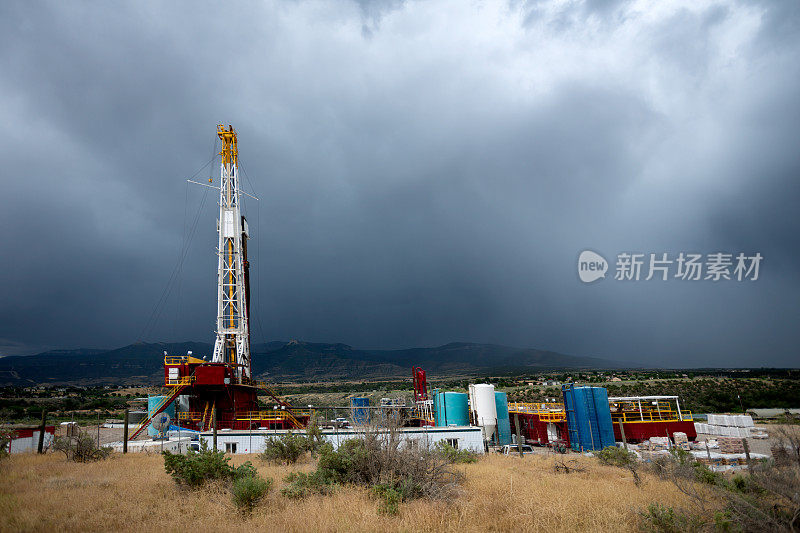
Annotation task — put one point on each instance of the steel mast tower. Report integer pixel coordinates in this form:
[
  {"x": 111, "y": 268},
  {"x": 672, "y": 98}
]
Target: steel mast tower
[
  {"x": 232, "y": 346},
  {"x": 221, "y": 393}
]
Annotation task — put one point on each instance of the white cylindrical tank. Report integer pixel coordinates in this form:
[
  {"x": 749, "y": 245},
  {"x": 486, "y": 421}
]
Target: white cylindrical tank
[{"x": 484, "y": 408}]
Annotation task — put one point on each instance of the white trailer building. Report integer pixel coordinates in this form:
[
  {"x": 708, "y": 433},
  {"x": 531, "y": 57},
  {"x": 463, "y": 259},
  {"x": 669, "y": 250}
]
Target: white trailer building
[{"x": 243, "y": 441}]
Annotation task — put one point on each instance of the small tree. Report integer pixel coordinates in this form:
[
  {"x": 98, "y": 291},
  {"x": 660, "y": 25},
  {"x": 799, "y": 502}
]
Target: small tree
[
  {"x": 611, "y": 455},
  {"x": 314, "y": 436},
  {"x": 81, "y": 448},
  {"x": 286, "y": 449},
  {"x": 453, "y": 455},
  {"x": 195, "y": 468},
  {"x": 248, "y": 491},
  {"x": 621, "y": 457},
  {"x": 394, "y": 472},
  {"x": 5, "y": 440}
]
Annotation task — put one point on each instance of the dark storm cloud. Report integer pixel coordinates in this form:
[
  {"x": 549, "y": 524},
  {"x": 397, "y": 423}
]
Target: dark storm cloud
[{"x": 428, "y": 172}]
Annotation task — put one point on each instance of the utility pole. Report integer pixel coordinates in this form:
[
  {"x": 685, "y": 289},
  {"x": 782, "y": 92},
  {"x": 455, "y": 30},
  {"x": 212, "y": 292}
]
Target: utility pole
[
  {"x": 41, "y": 431},
  {"x": 125, "y": 434},
  {"x": 519, "y": 433}
]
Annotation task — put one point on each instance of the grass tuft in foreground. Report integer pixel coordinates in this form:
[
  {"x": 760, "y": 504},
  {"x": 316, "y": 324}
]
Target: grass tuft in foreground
[{"x": 394, "y": 472}]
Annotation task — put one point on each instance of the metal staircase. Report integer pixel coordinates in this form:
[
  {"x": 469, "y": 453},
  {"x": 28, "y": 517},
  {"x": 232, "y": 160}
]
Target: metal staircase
[{"x": 174, "y": 393}]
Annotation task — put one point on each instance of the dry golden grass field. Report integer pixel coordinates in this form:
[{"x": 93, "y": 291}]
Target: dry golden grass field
[{"x": 134, "y": 493}]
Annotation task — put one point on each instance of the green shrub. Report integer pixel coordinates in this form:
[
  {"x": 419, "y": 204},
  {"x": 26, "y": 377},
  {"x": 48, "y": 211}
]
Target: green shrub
[
  {"x": 286, "y": 449},
  {"x": 301, "y": 484},
  {"x": 614, "y": 456},
  {"x": 314, "y": 437},
  {"x": 390, "y": 499},
  {"x": 393, "y": 472},
  {"x": 739, "y": 483},
  {"x": 81, "y": 448},
  {"x": 5, "y": 440},
  {"x": 243, "y": 471},
  {"x": 723, "y": 522},
  {"x": 249, "y": 490},
  {"x": 453, "y": 455},
  {"x": 392, "y": 494},
  {"x": 195, "y": 468},
  {"x": 348, "y": 464},
  {"x": 664, "y": 519},
  {"x": 705, "y": 475},
  {"x": 295, "y": 491},
  {"x": 681, "y": 456}
]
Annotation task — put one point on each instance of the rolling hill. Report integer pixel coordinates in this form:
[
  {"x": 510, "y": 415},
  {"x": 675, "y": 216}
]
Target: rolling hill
[{"x": 141, "y": 363}]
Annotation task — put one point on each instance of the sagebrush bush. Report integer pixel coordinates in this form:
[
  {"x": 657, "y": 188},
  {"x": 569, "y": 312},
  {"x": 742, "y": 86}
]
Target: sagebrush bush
[
  {"x": 249, "y": 490},
  {"x": 665, "y": 519},
  {"x": 81, "y": 448},
  {"x": 704, "y": 474},
  {"x": 764, "y": 497},
  {"x": 390, "y": 499},
  {"x": 196, "y": 468},
  {"x": 453, "y": 455},
  {"x": 611, "y": 455},
  {"x": 245, "y": 470},
  {"x": 301, "y": 484},
  {"x": 290, "y": 447},
  {"x": 5, "y": 440},
  {"x": 622, "y": 458},
  {"x": 395, "y": 473},
  {"x": 767, "y": 495}
]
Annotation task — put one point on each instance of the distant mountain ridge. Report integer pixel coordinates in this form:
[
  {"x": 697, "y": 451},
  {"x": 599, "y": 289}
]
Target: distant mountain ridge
[{"x": 141, "y": 363}]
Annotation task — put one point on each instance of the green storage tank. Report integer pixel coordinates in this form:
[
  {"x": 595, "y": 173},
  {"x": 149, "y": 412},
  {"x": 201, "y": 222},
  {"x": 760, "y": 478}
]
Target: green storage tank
[
  {"x": 451, "y": 408},
  {"x": 503, "y": 421}
]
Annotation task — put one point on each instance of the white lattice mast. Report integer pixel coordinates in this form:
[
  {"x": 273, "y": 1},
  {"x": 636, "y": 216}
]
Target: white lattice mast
[{"x": 233, "y": 334}]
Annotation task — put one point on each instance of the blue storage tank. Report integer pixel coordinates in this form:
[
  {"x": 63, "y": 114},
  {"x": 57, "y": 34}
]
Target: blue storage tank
[
  {"x": 451, "y": 408},
  {"x": 360, "y": 409},
  {"x": 588, "y": 417},
  {"x": 503, "y": 422},
  {"x": 153, "y": 402}
]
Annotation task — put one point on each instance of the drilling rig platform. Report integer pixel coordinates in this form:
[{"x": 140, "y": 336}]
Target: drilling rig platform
[{"x": 221, "y": 393}]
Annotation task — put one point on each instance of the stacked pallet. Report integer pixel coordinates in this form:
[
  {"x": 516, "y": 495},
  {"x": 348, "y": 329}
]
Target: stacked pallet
[
  {"x": 726, "y": 459},
  {"x": 715, "y": 459},
  {"x": 659, "y": 443},
  {"x": 681, "y": 440},
  {"x": 650, "y": 456},
  {"x": 730, "y": 445},
  {"x": 726, "y": 425},
  {"x": 741, "y": 421}
]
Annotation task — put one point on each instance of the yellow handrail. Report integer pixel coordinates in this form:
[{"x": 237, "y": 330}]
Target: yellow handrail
[
  {"x": 185, "y": 380},
  {"x": 547, "y": 412},
  {"x": 651, "y": 416},
  {"x": 254, "y": 415}
]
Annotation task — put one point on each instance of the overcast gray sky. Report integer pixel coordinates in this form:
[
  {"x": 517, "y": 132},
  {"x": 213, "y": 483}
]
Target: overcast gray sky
[{"x": 428, "y": 171}]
